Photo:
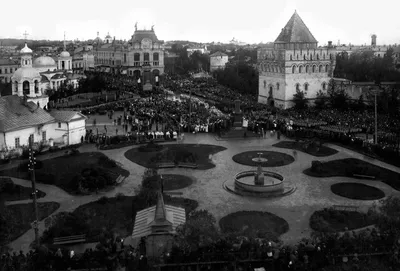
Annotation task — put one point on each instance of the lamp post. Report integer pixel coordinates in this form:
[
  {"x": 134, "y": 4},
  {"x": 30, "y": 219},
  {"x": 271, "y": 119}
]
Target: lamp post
[{"x": 31, "y": 168}]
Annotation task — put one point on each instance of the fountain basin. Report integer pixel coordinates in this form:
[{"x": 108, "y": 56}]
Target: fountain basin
[{"x": 273, "y": 182}]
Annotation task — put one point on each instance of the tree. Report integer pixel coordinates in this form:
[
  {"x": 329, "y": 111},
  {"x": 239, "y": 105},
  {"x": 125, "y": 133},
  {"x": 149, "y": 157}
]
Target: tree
[
  {"x": 300, "y": 100},
  {"x": 198, "y": 231},
  {"x": 338, "y": 96},
  {"x": 320, "y": 100}
]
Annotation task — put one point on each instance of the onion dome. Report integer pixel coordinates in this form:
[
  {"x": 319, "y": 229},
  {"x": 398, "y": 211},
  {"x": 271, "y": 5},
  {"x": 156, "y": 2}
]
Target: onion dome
[{"x": 26, "y": 50}]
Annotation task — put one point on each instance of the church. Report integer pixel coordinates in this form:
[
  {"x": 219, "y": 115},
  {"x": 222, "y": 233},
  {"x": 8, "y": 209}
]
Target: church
[
  {"x": 294, "y": 63},
  {"x": 35, "y": 77}
]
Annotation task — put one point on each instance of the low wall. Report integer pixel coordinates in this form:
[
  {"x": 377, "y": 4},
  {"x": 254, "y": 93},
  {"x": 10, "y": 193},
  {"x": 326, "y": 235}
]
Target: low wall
[{"x": 268, "y": 188}]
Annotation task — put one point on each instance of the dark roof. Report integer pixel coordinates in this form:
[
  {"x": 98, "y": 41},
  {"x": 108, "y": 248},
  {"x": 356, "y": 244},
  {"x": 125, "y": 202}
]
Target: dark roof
[
  {"x": 16, "y": 114},
  {"x": 139, "y": 35},
  {"x": 58, "y": 76},
  {"x": 295, "y": 31},
  {"x": 218, "y": 54},
  {"x": 44, "y": 79},
  {"x": 7, "y": 61},
  {"x": 65, "y": 116}
]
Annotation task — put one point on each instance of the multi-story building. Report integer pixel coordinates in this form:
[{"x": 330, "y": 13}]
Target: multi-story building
[
  {"x": 82, "y": 61},
  {"x": 294, "y": 63},
  {"x": 141, "y": 57},
  {"x": 7, "y": 67},
  {"x": 218, "y": 60},
  {"x": 378, "y": 50}
]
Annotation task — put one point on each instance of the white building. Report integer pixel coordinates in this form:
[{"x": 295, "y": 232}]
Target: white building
[
  {"x": 295, "y": 63},
  {"x": 218, "y": 60},
  {"x": 23, "y": 121},
  {"x": 34, "y": 77}
]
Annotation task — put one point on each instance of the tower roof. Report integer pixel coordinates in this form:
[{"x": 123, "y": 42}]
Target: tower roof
[
  {"x": 139, "y": 35},
  {"x": 295, "y": 31},
  {"x": 161, "y": 213}
]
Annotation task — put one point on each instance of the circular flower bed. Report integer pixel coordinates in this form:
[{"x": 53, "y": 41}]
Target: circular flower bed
[
  {"x": 274, "y": 159},
  {"x": 357, "y": 191},
  {"x": 173, "y": 181},
  {"x": 150, "y": 147},
  {"x": 262, "y": 224}
]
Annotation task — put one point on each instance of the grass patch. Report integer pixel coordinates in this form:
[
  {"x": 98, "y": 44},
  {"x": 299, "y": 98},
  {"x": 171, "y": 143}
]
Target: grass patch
[
  {"x": 316, "y": 150},
  {"x": 254, "y": 223},
  {"x": 20, "y": 216},
  {"x": 349, "y": 166},
  {"x": 176, "y": 153},
  {"x": 357, "y": 191},
  {"x": 330, "y": 220},
  {"x": 116, "y": 214},
  {"x": 20, "y": 193},
  {"x": 173, "y": 181},
  {"x": 274, "y": 159},
  {"x": 61, "y": 171}
]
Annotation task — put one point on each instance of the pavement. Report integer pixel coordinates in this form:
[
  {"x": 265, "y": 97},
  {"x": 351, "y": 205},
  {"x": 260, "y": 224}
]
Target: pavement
[{"x": 311, "y": 194}]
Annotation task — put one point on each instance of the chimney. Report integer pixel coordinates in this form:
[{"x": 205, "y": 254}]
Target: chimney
[{"x": 329, "y": 44}]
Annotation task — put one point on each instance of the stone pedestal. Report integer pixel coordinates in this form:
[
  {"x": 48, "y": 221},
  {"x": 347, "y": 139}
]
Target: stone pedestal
[{"x": 259, "y": 177}]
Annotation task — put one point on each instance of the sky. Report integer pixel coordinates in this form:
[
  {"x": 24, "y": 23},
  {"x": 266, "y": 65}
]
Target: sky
[{"x": 250, "y": 21}]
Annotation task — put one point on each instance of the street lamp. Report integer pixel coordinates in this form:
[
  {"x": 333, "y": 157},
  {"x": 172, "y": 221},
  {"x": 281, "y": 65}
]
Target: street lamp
[{"x": 31, "y": 168}]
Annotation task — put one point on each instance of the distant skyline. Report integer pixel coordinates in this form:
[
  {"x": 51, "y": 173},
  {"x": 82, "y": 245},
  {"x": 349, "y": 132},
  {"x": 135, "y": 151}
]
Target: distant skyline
[{"x": 251, "y": 21}]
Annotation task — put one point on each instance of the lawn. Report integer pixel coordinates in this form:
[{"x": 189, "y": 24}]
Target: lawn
[
  {"x": 175, "y": 153},
  {"x": 173, "y": 181},
  {"x": 254, "y": 223},
  {"x": 313, "y": 150},
  {"x": 117, "y": 214},
  {"x": 330, "y": 220},
  {"x": 274, "y": 159},
  {"x": 61, "y": 171},
  {"x": 357, "y": 191},
  {"x": 349, "y": 166},
  {"x": 20, "y": 193},
  {"x": 20, "y": 216}
]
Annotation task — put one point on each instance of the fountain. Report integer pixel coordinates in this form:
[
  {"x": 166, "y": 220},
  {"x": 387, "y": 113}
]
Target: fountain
[{"x": 259, "y": 183}]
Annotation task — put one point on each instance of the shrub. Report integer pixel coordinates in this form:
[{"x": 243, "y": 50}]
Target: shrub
[
  {"x": 6, "y": 185},
  {"x": 46, "y": 178},
  {"x": 107, "y": 162},
  {"x": 316, "y": 166},
  {"x": 74, "y": 151},
  {"x": 103, "y": 200}
]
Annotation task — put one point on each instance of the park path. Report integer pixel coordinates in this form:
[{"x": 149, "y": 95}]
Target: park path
[{"x": 311, "y": 194}]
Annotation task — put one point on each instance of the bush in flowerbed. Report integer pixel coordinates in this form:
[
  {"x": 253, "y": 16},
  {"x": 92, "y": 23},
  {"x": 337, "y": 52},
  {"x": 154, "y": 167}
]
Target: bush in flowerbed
[
  {"x": 150, "y": 147},
  {"x": 107, "y": 162},
  {"x": 92, "y": 179},
  {"x": 316, "y": 166},
  {"x": 45, "y": 177},
  {"x": 6, "y": 185}
]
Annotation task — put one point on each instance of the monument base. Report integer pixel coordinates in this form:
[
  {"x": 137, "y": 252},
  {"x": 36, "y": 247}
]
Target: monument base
[{"x": 147, "y": 87}]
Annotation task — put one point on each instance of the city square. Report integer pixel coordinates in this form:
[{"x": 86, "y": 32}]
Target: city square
[{"x": 152, "y": 154}]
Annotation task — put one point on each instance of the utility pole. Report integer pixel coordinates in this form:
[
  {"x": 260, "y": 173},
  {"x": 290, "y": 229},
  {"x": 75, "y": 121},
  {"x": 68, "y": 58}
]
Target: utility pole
[{"x": 31, "y": 167}]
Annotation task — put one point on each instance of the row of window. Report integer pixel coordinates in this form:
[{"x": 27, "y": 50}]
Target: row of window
[
  {"x": 310, "y": 57},
  {"x": 6, "y": 70},
  {"x": 307, "y": 68},
  {"x": 295, "y": 68},
  {"x": 306, "y": 85},
  {"x": 31, "y": 138}
]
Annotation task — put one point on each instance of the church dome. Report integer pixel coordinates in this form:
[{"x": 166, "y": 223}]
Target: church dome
[
  {"x": 25, "y": 72},
  {"x": 64, "y": 54},
  {"x": 44, "y": 61},
  {"x": 26, "y": 50}
]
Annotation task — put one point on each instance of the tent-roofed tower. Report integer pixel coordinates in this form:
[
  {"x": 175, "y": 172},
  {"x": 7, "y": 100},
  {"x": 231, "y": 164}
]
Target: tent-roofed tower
[{"x": 294, "y": 63}]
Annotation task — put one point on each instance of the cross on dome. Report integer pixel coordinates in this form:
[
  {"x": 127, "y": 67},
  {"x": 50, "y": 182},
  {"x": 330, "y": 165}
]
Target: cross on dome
[{"x": 25, "y": 35}]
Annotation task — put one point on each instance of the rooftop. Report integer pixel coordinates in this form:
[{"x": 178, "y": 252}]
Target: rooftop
[
  {"x": 15, "y": 113},
  {"x": 66, "y": 116},
  {"x": 295, "y": 31}
]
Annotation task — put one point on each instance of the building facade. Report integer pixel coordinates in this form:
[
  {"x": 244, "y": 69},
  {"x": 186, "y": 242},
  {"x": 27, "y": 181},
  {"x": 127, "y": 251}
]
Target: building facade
[
  {"x": 7, "y": 67},
  {"x": 294, "y": 63},
  {"x": 218, "y": 60},
  {"x": 141, "y": 57}
]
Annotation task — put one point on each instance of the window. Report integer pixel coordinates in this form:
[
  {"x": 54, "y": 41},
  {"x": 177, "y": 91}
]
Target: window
[
  {"x": 307, "y": 69},
  {"x": 323, "y": 56},
  {"x": 1, "y": 71},
  {"x": 17, "y": 142},
  {"x": 265, "y": 84},
  {"x": 323, "y": 86},
  {"x": 5, "y": 70},
  {"x": 270, "y": 91},
  {"x": 11, "y": 70},
  {"x": 305, "y": 86},
  {"x": 146, "y": 56},
  {"x": 300, "y": 69},
  {"x": 136, "y": 57},
  {"x": 304, "y": 57},
  {"x": 317, "y": 56},
  {"x": 297, "y": 86},
  {"x": 155, "y": 57},
  {"x": 277, "y": 86},
  {"x": 313, "y": 68},
  {"x": 310, "y": 57},
  {"x": 326, "y": 68},
  {"x": 330, "y": 56},
  {"x": 291, "y": 57},
  {"x": 59, "y": 125},
  {"x": 293, "y": 69},
  {"x": 44, "y": 136},
  {"x": 124, "y": 57},
  {"x": 320, "y": 68}
]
